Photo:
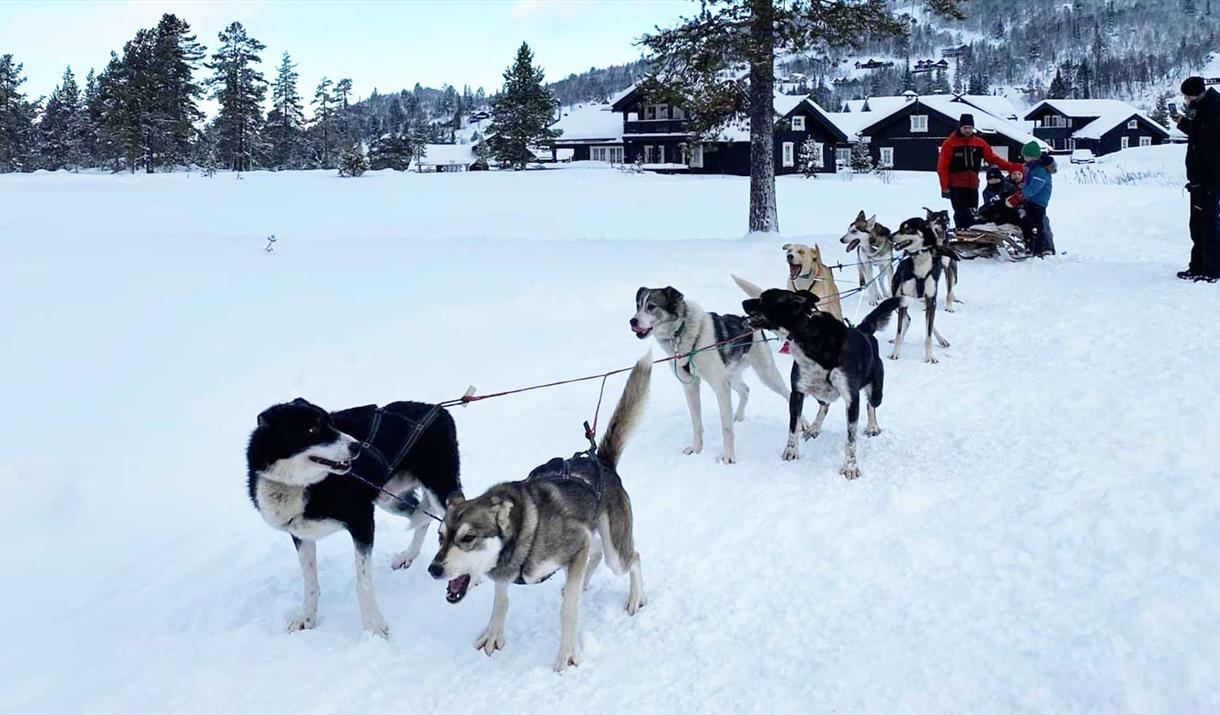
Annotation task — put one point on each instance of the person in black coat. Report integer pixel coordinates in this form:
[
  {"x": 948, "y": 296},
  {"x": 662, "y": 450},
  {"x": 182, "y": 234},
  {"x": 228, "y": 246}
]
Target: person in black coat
[{"x": 1201, "y": 124}]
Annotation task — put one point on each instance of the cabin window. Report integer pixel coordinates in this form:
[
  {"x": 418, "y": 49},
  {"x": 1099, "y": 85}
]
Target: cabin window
[
  {"x": 843, "y": 156},
  {"x": 1071, "y": 145},
  {"x": 609, "y": 154},
  {"x": 788, "y": 154},
  {"x": 798, "y": 124},
  {"x": 887, "y": 157},
  {"x": 1056, "y": 121},
  {"x": 1133, "y": 124},
  {"x": 656, "y": 111},
  {"x": 1124, "y": 142},
  {"x": 919, "y": 123},
  {"x": 1145, "y": 141},
  {"x": 817, "y": 157},
  {"x": 696, "y": 156}
]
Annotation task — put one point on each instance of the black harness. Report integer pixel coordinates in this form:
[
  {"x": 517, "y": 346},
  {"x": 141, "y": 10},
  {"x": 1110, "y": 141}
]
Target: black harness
[
  {"x": 567, "y": 471},
  {"x": 373, "y": 455}
]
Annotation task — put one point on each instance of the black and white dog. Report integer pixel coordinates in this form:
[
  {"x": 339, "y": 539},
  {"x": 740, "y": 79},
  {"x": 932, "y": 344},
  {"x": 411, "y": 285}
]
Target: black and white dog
[
  {"x": 830, "y": 360},
  {"x": 305, "y": 468},
  {"x": 917, "y": 278},
  {"x": 949, "y": 260},
  {"x": 682, "y": 327}
]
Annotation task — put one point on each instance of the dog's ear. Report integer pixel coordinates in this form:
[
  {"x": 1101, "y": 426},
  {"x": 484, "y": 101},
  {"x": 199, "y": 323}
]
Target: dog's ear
[
  {"x": 301, "y": 401},
  {"x": 817, "y": 252},
  {"x": 672, "y": 296},
  {"x": 262, "y": 417},
  {"x": 785, "y": 247},
  {"x": 752, "y": 306},
  {"x": 860, "y": 216},
  {"x": 929, "y": 211},
  {"x": 872, "y": 220},
  {"x": 639, "y": 294}
]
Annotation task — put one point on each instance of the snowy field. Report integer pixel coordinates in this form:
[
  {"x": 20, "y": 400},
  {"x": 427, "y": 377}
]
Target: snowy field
[{"x": 1036, "y": 529}]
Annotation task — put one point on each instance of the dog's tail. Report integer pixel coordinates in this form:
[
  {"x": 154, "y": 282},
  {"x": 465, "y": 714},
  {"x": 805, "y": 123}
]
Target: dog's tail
[
  {"x": 751, "y": 290},
  {"x": 627, "y": 413},
  {"x": 880, "y": 316}
]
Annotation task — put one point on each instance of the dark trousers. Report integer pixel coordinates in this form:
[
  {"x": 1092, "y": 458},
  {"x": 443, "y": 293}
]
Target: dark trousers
[
  {"x": 1034, "y": 228},
  {"x": 1205, "y": 230},
  {"x": 964, "y": 201}
]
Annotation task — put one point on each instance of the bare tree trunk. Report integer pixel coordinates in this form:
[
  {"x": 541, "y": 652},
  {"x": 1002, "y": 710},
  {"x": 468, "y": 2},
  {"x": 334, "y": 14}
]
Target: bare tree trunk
[{"x": 763, "y": 213}]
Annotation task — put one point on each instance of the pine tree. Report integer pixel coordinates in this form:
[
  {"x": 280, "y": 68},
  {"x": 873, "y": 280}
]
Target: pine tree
[
  {"x": 1083, "y": 82},
  {"x": 522, "y": 113},
  {"x": 61, "y": 128},
  {"x": 286, "y": 120},
  {"x": 1057, "y": 89},
  {"x": 861, "y": 158},
  {"x": 958, "y": 88},
  {"x": 1160, "y": 111},
  {"x": 239, "y": 88},
  {"x": 174, "y": 91},
  {"x": 391, "y": 151},
  {"x": 353, "y": 162},
  {"x": 17, "y": 137},
  {"x": 690, "y": 64},
  {"x": 807, "y": 159},
  {"x": 91, "y": 110},
  {"x": 323, "y": 130}
]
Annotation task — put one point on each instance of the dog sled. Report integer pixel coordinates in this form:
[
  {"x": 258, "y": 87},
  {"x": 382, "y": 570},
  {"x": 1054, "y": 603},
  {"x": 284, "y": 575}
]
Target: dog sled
[{"x": 989, "y": 240}]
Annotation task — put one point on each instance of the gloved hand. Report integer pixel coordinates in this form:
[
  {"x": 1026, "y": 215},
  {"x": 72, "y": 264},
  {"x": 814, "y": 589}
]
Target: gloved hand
[{"x": 944, "y": 194}]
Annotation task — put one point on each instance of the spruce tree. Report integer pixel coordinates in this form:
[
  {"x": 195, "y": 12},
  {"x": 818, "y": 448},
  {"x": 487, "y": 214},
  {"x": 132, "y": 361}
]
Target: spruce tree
[
  {"x": 522, "y": 113},
  {"x": 175, "y": 56},
  {"x": 239, "y": 88},
  {"x": 286, "y": 120},
  {"x": 17, "y": 138},
  {"x": 322, "y": 131},
  {"x": 391, "y": 151},
  {"x": 353, "y": 163},
  {"x": 91, "y": 111},
  {"x": 60, "y": 131}
]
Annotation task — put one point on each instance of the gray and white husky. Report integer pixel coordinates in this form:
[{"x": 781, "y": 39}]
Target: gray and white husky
[
  {"x": 874, "y": 248},
  {"x": 566, "y": 515},
  {"x": 681, "y": 326}
]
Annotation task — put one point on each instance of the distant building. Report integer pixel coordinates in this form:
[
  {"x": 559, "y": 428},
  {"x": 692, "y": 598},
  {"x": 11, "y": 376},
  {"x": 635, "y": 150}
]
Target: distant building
[
  {"x": 958, "y": 51},
  {"x": 1102, "y": 126},
  {"x": 591, "y": 132},
  {"x": 873, "y": 64}
]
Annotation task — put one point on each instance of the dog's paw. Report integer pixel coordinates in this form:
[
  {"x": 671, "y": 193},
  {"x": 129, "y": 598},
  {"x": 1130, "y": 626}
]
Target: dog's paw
[
  {"x": 893, "y": 356},
  {"x": 402, "y": 561},
  {"x": 567, "y": 658},
  {"x": 377, "y": 627},
  {"x": 635, "y": 602},
  {"x": 727, "y": 458},
  {"x": 811, "y": 432},
  {"x": 872, "y": 430},
  {"x": 490, "y": 641},
  {"x": 851, "y": 471},
  {"x": 950, "y": 309},
  {"x": 874, "y": 302},
  {"x": 694, "y": 449},
  {"x": 301, "y": 623},
  {"x": 943, "y": 343},
  {"x": 791, "y": 452},
  {"x": 739, "y": 417},
  {"x": 931, "y": 360}
]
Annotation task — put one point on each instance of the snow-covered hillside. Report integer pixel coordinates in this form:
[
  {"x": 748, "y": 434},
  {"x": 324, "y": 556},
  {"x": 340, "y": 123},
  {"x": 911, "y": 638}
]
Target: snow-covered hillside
[{"x": 1035, "y": 530}]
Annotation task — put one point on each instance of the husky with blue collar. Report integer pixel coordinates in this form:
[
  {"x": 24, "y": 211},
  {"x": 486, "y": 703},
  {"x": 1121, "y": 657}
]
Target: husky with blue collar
[
  {"x": 684, "y": 329},
  {"x": 566, "y": 515}
]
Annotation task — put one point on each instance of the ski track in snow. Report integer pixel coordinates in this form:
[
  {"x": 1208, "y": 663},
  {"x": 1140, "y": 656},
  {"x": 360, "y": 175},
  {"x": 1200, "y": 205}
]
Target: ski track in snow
[{"x": 1035, "y": 530}]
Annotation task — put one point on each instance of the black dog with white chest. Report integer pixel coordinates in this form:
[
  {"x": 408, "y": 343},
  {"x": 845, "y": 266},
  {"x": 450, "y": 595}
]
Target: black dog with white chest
[
  {"x": 311, "y": 473},
  {"x": 830, "y": 360}
]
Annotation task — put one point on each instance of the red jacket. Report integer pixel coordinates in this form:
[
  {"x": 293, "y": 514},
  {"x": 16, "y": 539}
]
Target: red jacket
[{"x": 961, "y": 160}]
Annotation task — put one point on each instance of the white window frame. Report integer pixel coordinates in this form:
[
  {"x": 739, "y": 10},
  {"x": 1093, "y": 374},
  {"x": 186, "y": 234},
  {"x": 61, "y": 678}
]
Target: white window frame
[
  {"x": 1124, "y": 143},
  {"x": 919, "y": 123},
  {"x": 597, "y": 153},
  {"x": 1133, "y": 124},
  {"x": 1145, "y": 141},
  {"x": 789, "y": 154},
  {"x": 843, "y": 155},
  {"x": 696, "y": 156},
  {"x": 616, "y": 155},
  {"x": 887, "y": 157},
  {"x": 798, "y": 123}
]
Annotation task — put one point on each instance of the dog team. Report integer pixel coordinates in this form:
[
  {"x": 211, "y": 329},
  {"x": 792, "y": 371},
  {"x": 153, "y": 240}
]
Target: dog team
[{"x": 312, "y": 473}]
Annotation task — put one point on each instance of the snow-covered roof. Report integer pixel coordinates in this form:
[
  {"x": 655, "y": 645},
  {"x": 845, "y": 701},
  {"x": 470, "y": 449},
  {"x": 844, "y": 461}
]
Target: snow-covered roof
[
  {"x": 1109, "y": 114},
  {"x": 447, "y": 154},
  {"x": 946, "y": 104},
  {"x": 996, "y": 105},
  {"x": 738, "y": 128},
  {"x": 589, "y": 121},
  {"x": 785, "y": 103},
  {"x": 623, "y": 94},
  {"x": 850, "y": 123}
]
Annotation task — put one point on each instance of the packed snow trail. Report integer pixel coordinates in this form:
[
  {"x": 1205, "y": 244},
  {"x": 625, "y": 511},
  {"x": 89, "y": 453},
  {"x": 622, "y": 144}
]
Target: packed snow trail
[{"x": 1035, "y": 529}]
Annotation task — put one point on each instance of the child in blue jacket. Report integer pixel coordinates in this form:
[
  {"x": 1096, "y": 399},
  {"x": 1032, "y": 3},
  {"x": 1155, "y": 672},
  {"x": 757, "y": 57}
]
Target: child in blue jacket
[{"x": 1036, "y": 195}]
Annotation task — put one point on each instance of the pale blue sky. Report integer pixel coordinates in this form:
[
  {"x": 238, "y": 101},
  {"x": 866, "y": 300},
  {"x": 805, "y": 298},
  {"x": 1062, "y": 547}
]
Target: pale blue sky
[{"x": 387, "y": 45}]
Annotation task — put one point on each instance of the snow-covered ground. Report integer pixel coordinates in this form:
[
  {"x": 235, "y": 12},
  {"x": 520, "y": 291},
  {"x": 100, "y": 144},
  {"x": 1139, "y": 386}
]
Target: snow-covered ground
[{"x": 1036, "y": 529}]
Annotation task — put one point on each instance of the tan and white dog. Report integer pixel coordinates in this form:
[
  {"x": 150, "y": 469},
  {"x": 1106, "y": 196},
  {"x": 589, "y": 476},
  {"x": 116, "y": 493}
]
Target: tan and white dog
[{"x": 807, "y": 272}]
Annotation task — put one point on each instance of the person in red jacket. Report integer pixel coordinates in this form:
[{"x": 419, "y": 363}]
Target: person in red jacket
[{"x": 961, "y": 159}]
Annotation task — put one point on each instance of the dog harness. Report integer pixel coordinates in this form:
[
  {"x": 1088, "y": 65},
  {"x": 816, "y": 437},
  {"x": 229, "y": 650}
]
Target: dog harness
[
  {"x": 584, "y": 470},
  {"x": 387, "y": 436}
]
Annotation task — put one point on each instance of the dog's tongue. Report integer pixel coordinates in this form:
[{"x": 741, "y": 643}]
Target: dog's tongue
[
  {"x": 784, "y": 349},
  {"x": 852, "y": 245},
  {"x": 456, "y": 590}
]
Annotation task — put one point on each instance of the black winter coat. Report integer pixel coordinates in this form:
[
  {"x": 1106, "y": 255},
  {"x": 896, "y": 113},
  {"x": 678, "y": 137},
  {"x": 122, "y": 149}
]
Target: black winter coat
[{"x": 1202, "y": 129}]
